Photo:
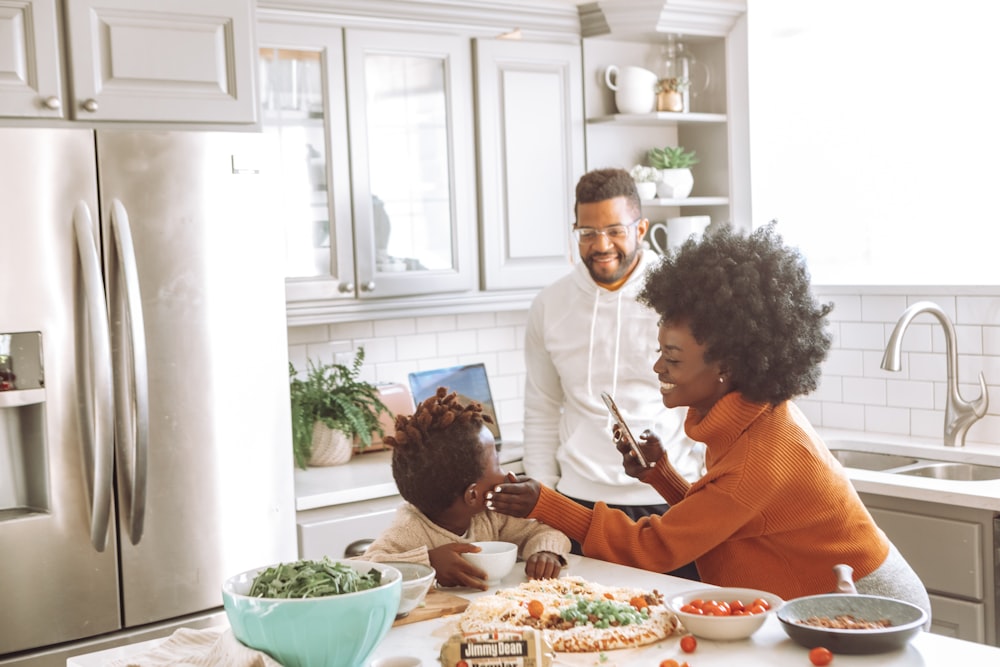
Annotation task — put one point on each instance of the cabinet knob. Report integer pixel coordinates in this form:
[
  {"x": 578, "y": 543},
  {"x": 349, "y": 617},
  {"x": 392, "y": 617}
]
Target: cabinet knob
[
  {"x": 346, "y": 288},
  {"x": 368, "y": 286},
  {"x": 89, "y": 105},
  {"x": 52, "y": 102}
]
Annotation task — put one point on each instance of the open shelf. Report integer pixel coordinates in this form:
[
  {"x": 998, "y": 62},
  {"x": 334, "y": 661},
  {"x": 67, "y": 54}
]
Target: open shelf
[
  {"x": 660, "y": 118},
  {"x": 15, "y": 398}
]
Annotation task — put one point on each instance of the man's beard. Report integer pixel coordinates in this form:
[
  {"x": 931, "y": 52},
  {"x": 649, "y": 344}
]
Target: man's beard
[{"x": 625, "y": 262}]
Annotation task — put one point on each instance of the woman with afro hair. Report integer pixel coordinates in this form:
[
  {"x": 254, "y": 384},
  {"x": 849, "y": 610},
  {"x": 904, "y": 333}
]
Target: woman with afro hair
[
  {"x": 444, "y": 460},
  {"x": 740, "y": 335}
]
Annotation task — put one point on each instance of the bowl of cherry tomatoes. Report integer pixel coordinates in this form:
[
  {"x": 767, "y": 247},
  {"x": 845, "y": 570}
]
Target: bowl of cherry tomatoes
[{"x": 724, "y": 613}]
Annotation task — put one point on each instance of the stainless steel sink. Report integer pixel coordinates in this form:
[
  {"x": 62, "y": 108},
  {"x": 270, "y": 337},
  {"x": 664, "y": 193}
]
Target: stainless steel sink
[
  {"x": 967, "y": 472},
  {"x": 871, "y": 460}
]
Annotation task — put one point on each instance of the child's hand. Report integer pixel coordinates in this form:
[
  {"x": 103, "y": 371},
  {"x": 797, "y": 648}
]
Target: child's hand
[
  {"x": 516, "y": 498},
  {"x": 543, "y": 565},
  {"x": 453, "y": 570}
]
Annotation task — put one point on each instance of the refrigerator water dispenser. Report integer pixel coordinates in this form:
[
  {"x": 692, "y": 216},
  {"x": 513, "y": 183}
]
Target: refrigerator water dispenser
[{"x": 23, "y": 478}]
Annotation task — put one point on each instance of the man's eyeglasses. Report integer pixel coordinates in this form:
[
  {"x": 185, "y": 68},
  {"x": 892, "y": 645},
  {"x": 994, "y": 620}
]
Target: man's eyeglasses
[{"x": 614, "y": 233}]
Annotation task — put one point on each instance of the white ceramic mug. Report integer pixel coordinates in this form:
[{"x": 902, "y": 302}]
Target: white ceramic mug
[
  {"x": 635, "y": 88},
  {"x": 668, "y": 236}
]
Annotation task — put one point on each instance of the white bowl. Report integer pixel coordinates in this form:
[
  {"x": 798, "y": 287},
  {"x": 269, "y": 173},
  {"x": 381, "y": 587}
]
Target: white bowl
[
  {"x": 725, "y": 628},
  {"x": 496, "y": 559},
  {"x": 417, "y": 580}
]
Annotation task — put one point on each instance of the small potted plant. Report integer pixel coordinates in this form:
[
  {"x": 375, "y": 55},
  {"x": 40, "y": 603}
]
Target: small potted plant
[
  {"x": 646, "y": 179},
  {"x": 332, "y": 412},
  {"x": 670, "y": 93},
  {"x": 674, "y": 166}
]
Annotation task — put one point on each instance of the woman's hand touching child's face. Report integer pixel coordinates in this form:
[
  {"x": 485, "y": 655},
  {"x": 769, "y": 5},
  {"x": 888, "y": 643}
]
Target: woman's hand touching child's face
[{"x": 516, "y": 498}]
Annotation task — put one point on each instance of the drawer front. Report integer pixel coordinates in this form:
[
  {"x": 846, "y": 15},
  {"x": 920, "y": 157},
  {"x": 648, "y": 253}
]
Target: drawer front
[
  {"x": 958, "y": 618},
  {"x": 320, "y": 534},
  {"x": 946, "y": 553}
]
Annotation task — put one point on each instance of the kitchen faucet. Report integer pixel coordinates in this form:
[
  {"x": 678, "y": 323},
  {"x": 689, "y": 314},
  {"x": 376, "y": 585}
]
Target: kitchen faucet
[{"x": 959, "y": 414}]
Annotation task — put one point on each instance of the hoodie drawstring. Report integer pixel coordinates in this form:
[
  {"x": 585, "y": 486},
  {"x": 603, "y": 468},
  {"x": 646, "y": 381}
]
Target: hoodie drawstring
[
  {"x": 590, "y": 348},
  {"x": 618, "y": 337}
]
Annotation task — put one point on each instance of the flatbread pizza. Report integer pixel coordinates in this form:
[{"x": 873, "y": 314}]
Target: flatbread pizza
[{"x": 574, "y": 615}]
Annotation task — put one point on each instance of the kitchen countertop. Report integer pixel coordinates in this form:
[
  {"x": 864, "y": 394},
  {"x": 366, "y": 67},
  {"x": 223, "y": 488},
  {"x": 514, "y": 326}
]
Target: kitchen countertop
[
  {"x": 768, "y": 647},
  {"x": 369, "y": 476}
]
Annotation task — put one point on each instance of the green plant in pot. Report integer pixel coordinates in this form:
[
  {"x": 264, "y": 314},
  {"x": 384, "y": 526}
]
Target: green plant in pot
[
  {"x": 674, "y": 164},
  {"x": 333, "y": 396}
]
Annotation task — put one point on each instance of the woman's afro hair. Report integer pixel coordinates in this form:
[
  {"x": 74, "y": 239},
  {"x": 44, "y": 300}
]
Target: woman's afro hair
[
  {"x": 436, "y": 451},
  {"x": 747, "y": 300}
]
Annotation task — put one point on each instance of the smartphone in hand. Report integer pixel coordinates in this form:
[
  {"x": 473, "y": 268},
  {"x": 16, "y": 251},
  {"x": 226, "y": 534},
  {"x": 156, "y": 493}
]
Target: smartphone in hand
[{"x": 623, "y": 428}]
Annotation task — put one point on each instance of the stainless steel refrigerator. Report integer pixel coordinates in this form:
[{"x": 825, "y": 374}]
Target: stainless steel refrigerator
[{"x": 144, "y": 430}]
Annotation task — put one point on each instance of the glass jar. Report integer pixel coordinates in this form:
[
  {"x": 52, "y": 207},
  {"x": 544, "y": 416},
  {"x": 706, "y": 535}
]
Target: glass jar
[{"x": 682, "y": 77}]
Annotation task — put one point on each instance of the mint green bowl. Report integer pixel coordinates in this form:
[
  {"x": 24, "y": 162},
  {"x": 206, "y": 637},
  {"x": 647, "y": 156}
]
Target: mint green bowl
[{"x": 332, "y": 631}]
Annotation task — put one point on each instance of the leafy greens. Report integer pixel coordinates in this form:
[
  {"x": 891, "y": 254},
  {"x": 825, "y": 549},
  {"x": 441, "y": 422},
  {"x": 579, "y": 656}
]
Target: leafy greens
[{"x": 312, "y": 579}]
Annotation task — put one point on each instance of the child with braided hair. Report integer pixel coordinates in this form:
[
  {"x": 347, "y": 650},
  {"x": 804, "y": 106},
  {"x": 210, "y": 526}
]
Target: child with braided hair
[{"x": 444, "y": 461}]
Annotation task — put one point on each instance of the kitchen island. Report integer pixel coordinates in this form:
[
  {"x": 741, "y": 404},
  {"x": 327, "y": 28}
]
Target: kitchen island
[{"x": 769, "y": 647}]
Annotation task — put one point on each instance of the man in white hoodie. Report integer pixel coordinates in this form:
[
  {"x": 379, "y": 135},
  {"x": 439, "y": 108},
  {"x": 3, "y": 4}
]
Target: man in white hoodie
[{"x": 586, "y": 334}]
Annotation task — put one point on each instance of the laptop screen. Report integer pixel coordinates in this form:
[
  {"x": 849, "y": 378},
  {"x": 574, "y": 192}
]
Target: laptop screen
[{"x": 468, "y": 381}]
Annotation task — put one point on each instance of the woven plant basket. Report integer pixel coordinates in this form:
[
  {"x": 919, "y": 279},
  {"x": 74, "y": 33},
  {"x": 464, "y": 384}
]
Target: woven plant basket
[{"x": 330, "y": 447}]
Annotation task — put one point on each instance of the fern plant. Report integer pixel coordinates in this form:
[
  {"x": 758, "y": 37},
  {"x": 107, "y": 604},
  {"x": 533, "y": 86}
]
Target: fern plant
[
  {"x": 671, "y": 157},
  {"x": 334, "y": 395}
]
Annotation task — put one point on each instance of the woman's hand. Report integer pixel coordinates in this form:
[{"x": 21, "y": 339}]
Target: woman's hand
[
  {"x": 649, "y": 444},
  {"x": 516, "y": 498},
  {"x": 453, "y": 570},
  {"x": 543, "y": 565}
]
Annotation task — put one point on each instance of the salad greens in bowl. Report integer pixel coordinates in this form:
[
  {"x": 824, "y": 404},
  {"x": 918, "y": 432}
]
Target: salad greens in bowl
[{"x": 325, "y": 613}]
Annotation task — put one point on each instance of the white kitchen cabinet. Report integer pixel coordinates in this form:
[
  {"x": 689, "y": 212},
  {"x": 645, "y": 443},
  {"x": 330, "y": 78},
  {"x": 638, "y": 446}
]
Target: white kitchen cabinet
[
  {"x": 531, "y": 154},
  {"x": 328, "y": 531},
  {"x": 128, "y": 60},
  {"x": 953, "y": 550},
  {"x": 298, "y": 64},
  {"x": 410, "y": 119}
]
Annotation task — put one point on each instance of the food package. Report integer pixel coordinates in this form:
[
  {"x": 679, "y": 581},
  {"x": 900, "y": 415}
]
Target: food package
[{"x": 525, "y": 647}]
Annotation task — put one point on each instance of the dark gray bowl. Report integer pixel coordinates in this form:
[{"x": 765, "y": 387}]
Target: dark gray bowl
[{"x": 907, "y": 620}]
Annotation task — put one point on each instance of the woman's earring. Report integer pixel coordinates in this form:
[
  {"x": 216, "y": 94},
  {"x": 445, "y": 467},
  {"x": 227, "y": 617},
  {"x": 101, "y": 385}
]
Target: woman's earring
[{"x": 721, "y": 379}]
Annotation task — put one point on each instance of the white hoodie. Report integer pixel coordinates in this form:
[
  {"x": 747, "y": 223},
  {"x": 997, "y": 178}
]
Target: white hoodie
[{"x": 583, "y": 339}]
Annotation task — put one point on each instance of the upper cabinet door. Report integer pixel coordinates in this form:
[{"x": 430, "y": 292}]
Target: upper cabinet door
[
  {"x": 409, "y": 99},
  {"x": 301, "y": 70},
  {"x": 531, "y": 153},
  {"x": 184, "y": 61},
  {"x": 30, "y": 80}
]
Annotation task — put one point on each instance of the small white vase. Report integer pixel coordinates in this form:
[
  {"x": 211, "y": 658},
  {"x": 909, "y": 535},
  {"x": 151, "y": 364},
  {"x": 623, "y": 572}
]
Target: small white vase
[
  {"x": 675, "y": 183},
  {"x": 646, "y": 189}
]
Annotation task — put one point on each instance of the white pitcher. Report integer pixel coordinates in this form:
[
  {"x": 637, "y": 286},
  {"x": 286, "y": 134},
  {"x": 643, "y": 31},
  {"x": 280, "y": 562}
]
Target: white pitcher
[{"x": 635, "y": 88}]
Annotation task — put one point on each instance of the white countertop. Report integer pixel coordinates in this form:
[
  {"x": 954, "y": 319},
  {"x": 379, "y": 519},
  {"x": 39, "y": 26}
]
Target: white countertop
[
  {"x": 769, "y": 647},
  {"x": 369, "y": 475}
]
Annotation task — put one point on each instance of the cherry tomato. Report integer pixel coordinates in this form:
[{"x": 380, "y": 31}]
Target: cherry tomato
[
  {"x": 691, "y": 609},
  {"x": 639, "y": 603},
  {"x": 669, "y": 662},
  {"x": 761, "y": 602},
  {"x": 820, "y": 656},
  {"x": 688, "y": 643},
  {"x": 535, "y": 609}
]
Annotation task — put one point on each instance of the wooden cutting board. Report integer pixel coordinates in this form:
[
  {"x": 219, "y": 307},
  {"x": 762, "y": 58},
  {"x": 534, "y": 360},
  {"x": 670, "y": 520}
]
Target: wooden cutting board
[{"x": 437, "y": 603}]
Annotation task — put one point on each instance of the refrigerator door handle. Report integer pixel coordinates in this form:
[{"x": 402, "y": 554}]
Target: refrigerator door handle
[
  {"x": 133, "y": 408},
  {"x": 97, "y": 399}
]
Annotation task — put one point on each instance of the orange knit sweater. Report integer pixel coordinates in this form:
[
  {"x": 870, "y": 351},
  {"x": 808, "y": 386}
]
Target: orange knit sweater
[{"x": 774, "y": 510}]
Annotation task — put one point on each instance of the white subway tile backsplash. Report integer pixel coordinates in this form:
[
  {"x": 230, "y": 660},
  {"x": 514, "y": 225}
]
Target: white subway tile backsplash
[
  {"x": 416, "y": 346},
  {"x": 880, "y": 419},
  {"x": 842, "y": 415},
  {"x": 458, "y": 342},
  {"x": 854, "y": 392},
  {"x": 436, "y": 323},
  {"x": 909, "y": 394},
  {"x": 876, "y": 308},
  {"x": 864, "y": 390},
  {"x": 395, "y": 327},
  {"x": 862, "y": 336}
]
